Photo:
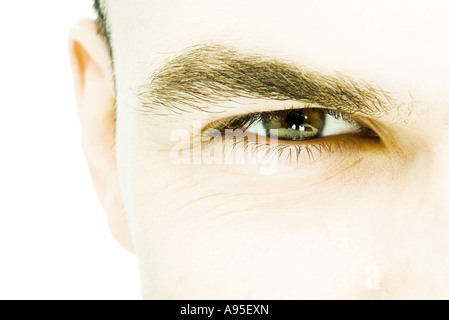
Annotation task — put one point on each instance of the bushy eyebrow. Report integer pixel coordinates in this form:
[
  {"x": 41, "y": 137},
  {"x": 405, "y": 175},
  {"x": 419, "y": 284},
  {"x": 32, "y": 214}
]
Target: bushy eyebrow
[{"x": 206, "y": 75}]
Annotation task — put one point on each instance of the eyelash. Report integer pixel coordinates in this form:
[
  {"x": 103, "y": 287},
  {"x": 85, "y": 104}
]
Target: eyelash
[
  {"x": 236, "y": 122},
  {"x": 292, "y": 150}
]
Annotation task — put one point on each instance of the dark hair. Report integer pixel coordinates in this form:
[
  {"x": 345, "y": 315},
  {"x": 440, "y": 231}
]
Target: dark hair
[{"x": 102, "y": 21}]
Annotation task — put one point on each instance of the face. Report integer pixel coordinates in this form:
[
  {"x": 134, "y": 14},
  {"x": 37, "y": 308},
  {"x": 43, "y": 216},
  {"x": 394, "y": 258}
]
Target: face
[{"x": 349, "y": 200}]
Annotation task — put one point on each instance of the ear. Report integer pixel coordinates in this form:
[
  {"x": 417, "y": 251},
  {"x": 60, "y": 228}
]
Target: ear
[{"x": 95, "y": 95}]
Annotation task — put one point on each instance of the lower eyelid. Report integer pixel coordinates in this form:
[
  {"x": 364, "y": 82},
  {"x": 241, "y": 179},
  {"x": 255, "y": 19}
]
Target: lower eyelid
[{"x": 296, "y": 153}]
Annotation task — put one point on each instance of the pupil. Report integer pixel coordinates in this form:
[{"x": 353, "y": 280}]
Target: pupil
[{"x": 295, "y": 120}]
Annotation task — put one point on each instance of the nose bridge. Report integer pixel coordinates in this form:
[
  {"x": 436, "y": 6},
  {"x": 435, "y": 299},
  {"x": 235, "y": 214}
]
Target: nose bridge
[
  {"x": 433, "y": 173},
  {"x": 418, "y": 222}
]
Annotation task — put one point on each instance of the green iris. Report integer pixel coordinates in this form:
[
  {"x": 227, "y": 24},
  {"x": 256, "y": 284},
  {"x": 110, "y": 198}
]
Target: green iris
[{"x": 294, "y": 125}]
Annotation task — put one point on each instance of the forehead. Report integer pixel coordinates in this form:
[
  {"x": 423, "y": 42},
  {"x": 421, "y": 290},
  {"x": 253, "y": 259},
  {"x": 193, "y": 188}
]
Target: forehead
[{"x": 407, "y": 39}]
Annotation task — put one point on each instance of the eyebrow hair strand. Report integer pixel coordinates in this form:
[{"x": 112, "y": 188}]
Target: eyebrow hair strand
[{"x": 208, "y": 74}]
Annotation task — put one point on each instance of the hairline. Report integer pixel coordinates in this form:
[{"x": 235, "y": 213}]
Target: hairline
[{"x": 103, "y": 23}]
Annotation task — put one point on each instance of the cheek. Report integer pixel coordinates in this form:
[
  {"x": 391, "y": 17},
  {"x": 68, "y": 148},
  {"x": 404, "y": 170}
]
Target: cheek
[
  {"x": 209, "y": 234},
  {"x": 224, "y": 247}
]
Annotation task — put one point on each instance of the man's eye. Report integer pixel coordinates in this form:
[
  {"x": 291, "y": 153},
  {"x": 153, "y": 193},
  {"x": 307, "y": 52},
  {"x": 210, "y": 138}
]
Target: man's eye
[
  {"x": 287, "y": 135},
  {"x": 300, "y": 124}
]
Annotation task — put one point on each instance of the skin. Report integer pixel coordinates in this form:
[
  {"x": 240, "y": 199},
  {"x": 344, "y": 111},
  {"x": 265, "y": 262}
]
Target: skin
[{"x": 366, "y": 222}]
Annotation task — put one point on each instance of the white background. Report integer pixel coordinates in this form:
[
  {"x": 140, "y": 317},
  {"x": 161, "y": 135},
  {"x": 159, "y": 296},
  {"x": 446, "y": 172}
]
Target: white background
[{"x": 54, "y": 240}]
